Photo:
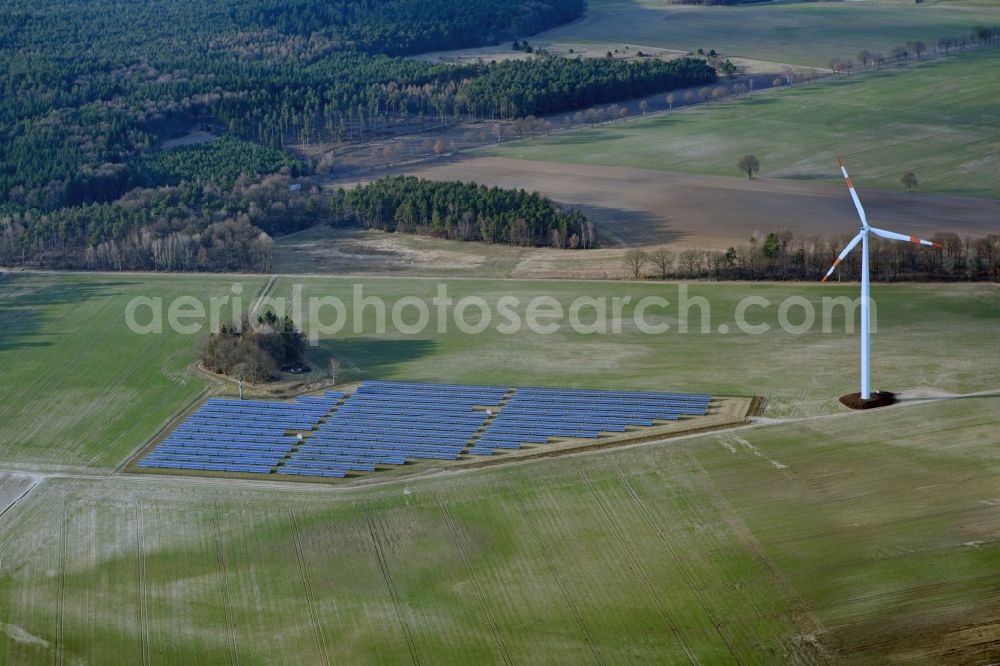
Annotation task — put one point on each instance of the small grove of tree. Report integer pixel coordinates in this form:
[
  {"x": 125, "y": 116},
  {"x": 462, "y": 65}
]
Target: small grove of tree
[
  {"x": 749, "y": 164},
  {"x": 464, "y": 211},
  {"x": 254, "y": 351},
  {"x": 634, "y": 261},
  {"x": 909, "y": 181}
]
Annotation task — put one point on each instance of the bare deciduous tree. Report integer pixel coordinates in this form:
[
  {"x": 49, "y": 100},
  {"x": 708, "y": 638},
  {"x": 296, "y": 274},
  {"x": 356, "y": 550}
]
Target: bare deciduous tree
[{"x": 634, "y": 261}]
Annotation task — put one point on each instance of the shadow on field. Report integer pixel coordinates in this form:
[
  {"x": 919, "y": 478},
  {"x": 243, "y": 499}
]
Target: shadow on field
[
  {"x": 369, "y": 358},
  {"x": 26, "y": 306},
  {"x": 617, "y": 227}
]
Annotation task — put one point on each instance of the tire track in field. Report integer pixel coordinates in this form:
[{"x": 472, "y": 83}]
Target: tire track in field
[
  {"x": 801, "y": 612},
  {"x": 650, "y": 519},
  {"x": 29, "y": 521},
  {"x": 554, "y": 572},
  {"x": 456, "y": 537},
  {"x": 220, "y": 552},
  {"x": 636, "y": 563},
  {"x": 61, "y": 599},
  {"x": 140, "y": 542},
  {"x": 374, "y": 531},
  {"x": 311, "y": 604}
]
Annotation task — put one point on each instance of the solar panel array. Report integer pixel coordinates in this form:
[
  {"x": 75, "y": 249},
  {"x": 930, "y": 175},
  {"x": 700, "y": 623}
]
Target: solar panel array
[
  {"x": 390, "y": 423},
  {"x": 533, "y": 415},
  {"x": 249, "y": 436}
]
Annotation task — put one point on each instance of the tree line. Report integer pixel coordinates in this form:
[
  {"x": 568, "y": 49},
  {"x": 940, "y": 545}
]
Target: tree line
[
  {"x": 782, "y": 256},
  {"x": 519, "y": 88},
  {"x": 193, "y": 226},
  {"x": 464, "y": 211}
]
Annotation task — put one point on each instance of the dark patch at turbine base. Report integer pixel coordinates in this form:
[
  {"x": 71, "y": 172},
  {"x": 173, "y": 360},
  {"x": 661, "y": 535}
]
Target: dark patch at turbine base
[{"x": 878, "y": 399}]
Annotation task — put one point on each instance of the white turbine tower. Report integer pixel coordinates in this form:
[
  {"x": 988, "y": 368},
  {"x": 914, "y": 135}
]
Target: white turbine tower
[{"x": 862, "y": 237}]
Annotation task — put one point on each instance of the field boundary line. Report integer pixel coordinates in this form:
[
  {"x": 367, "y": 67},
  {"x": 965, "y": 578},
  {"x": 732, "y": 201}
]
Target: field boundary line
[
  {"x": 455, "y": 533},
  {"x": 648, "y": 517},
  {"x": 373, "y": 531},
  {"x": 636, "y": 563},
  {"x": 220, "y": 552},
  {"x": 255, "y": 307},
  {"x": 140, "y": 541},
  {"x": 307, "y": 587},
  {"x": 554, "y": 572}
]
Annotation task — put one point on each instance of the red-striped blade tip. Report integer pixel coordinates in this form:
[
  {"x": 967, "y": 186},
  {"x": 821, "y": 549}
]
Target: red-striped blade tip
[
  {"x": 840, "y": 162},
  {"x": 937, "y": 244}
]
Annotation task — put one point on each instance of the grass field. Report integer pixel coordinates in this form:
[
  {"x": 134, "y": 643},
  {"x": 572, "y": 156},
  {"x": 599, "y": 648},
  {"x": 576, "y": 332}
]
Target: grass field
[
  {"x": 796, "y": 33},
  {"x": 854, "y": 538},
  {"x": 830, "y": 536},
  {"x": 936, "y": 119},
  {"x": 67, "y": 400},
  {"x": 78, "y": 388}
]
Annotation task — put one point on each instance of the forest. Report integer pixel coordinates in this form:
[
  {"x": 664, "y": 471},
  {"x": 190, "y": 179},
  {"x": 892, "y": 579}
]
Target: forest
[
  {"x": 89, "y": 88},
  {"x": 465, "y": 211}
]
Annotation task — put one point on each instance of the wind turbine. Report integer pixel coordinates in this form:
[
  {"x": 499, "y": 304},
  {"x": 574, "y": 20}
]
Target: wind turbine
[{"x": 862, "y": 237}]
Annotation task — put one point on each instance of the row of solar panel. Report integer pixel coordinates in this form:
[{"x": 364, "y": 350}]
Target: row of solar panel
[
  {"x": 344, "y": 467},
  {"x": 504, "y": 444},
  {"x": 277, "y": 417},
  {"x": 378, "y": 417},
  {"x": 430, "y": 390},
  {"x": 386, "y": 450},
  {"x": 287, "y": 422},
  {"x": 437, "y": 398},
  {"x": 572, "y": 418},
  {"x": 221, "y": 444},
  {"x": 587, "y": 404},
  {"x": 306, "y": 472},
  {"x": 362, "y": 442},
  {"x": 582, "y": 393},
  {"x": 400, "y": 435},
  {"x": 312, "y": 409},
  {"x": 234, "y": 429},
  {"x": 401, "y": 414},
  {"x": 263, "y": 404},
  {"x": 452, "y": 387},
  {"x": 255, "y": 469},
  {"x": 365, "y": 457},
  {"x": 451, "y": 405},
  {"x": 628, "y": 413},
  {"x": 249, "y": 439},
  {"x": 221, "y": 460},
  {"x": 416, "y": 429}
]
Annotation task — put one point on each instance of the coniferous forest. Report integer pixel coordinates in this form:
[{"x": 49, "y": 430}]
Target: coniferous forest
[{"x": 90, "y": 91}]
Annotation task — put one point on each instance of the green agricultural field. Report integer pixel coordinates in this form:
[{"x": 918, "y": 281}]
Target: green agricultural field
[
  {"x": 857, "y": 538},
  {"x": 796, "y": 33},
  {"x": 77, "y": 387},
  {"x": 937, "y": 119}
]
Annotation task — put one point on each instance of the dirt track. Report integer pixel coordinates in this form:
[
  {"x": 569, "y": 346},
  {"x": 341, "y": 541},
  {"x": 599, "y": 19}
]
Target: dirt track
[{"x": 641, "y": 207}]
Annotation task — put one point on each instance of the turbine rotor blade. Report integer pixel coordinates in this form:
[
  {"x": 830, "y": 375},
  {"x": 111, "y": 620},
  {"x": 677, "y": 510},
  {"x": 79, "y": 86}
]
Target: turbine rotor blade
[
  {"x": 854, "y": 194},
  {"x": 840, "y": 257},
  {"x": 892, "y": 235}
]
